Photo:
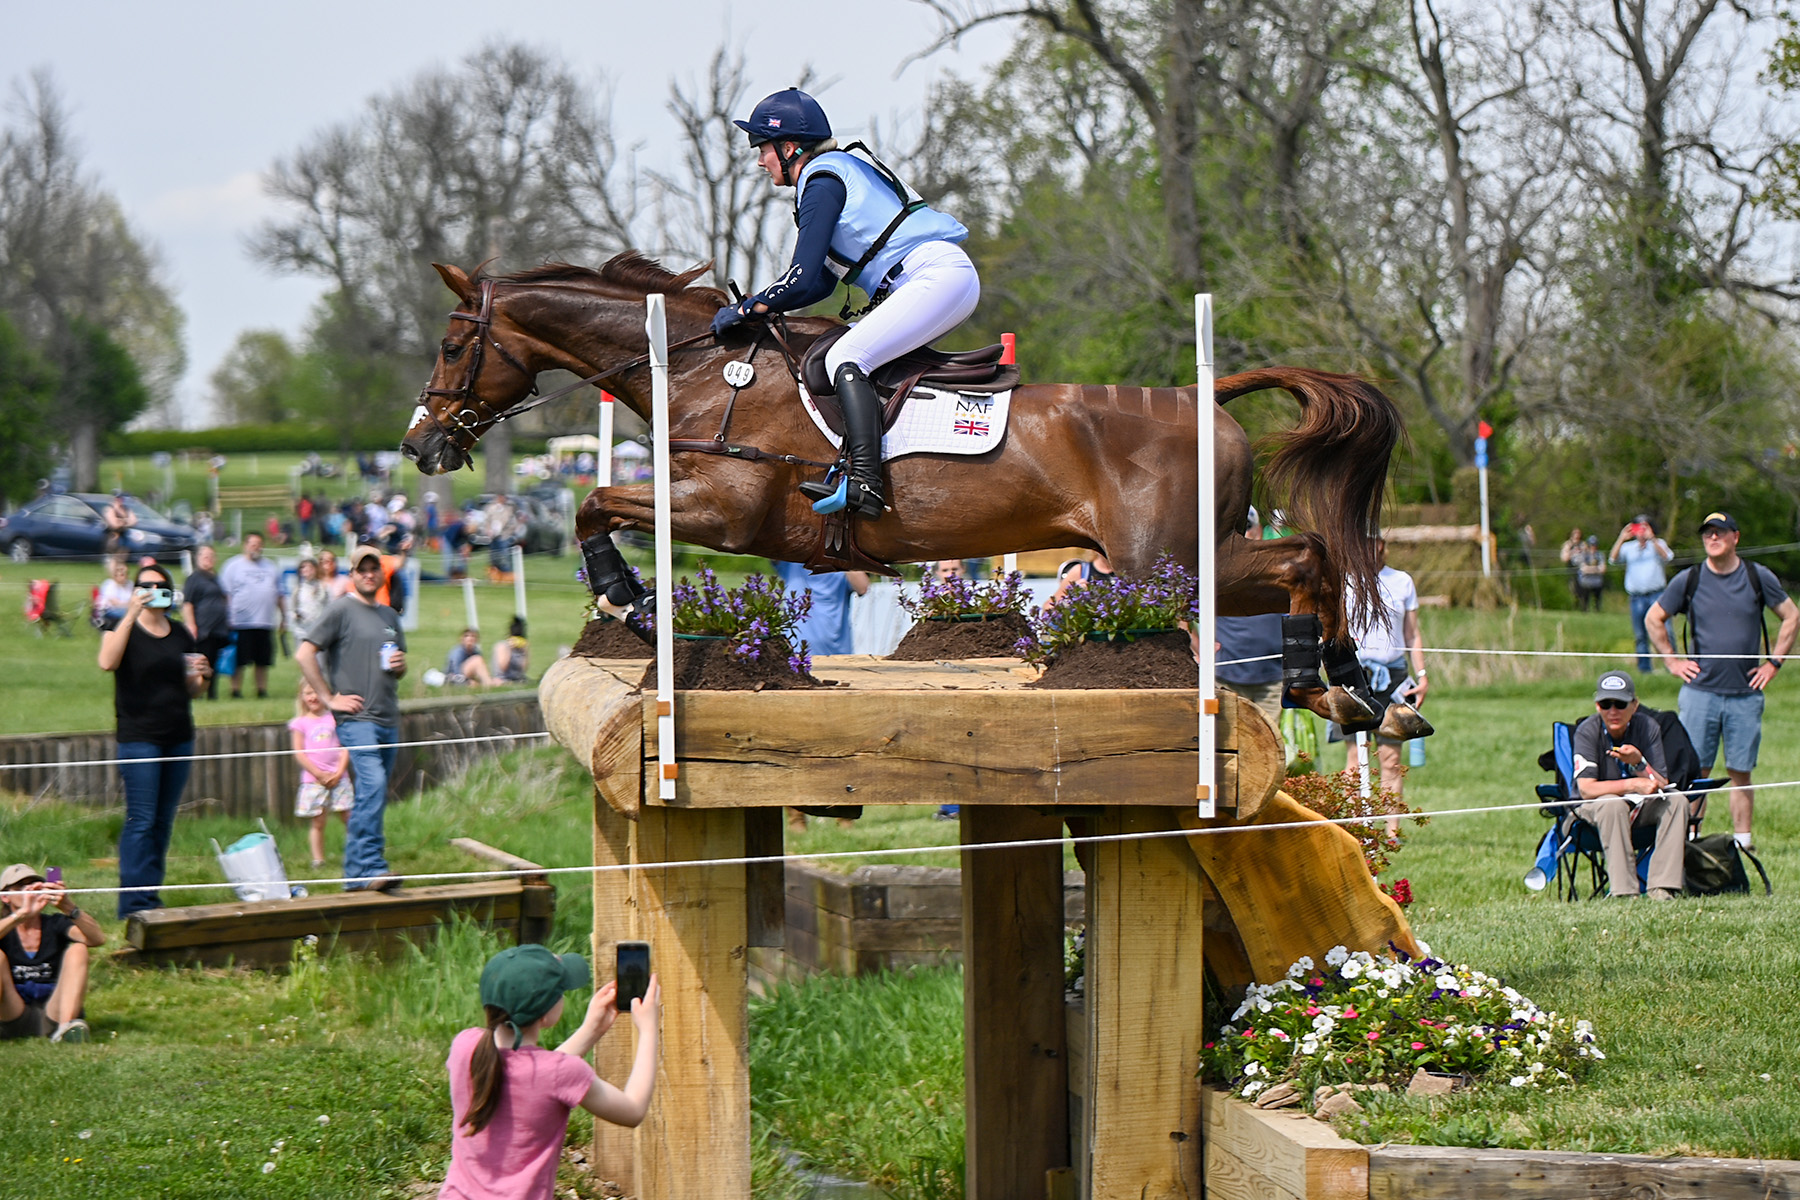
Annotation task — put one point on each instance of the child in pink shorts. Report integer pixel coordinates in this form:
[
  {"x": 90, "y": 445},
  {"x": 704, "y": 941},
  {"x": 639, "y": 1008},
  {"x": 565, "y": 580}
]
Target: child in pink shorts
[{"x": 324, "y": 769}]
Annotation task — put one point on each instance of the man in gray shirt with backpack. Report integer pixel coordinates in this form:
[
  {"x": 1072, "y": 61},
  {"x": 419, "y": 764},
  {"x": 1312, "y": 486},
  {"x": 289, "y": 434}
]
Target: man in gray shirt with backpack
[{"x": 1722, "y": 686}]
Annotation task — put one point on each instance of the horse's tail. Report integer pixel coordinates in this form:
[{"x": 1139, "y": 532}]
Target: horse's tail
[{"x": 1332, "y": 467}]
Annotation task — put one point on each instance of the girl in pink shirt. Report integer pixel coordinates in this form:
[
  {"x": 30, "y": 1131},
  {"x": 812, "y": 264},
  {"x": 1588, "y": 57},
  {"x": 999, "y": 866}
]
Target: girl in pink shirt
[
  {"x": 324, "y": 784},
  {"x": 511, "y": 1098}
]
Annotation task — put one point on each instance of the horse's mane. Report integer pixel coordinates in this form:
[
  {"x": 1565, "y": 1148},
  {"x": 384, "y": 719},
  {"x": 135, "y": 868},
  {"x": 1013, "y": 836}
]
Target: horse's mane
[{"x": 629, "y": 269}]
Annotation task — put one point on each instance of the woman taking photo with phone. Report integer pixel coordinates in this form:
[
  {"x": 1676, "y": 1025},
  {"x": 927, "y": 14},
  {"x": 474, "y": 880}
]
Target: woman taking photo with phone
[
  {"x": 511, "y": 1098},
  {"x": 157, "y": 671}
]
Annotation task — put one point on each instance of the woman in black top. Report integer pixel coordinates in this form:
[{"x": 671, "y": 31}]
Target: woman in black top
[{"x": 157, "y": 670}]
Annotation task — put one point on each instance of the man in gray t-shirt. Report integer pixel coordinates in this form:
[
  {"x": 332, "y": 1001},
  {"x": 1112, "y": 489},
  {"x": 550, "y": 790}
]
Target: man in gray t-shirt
[
  {"x": 1722, "y": 689},
  {"x": 341, "y": 658}
]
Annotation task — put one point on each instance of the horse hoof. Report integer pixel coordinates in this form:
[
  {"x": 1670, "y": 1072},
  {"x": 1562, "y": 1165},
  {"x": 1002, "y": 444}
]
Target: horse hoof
[{"x": 1404, "y": 722}]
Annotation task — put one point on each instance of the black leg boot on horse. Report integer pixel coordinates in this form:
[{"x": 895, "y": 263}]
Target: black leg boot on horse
[
  {"x": 858, "y": 488},
  {"x": 1397, "y": 719},
  {"x": 611, "y": 578}
]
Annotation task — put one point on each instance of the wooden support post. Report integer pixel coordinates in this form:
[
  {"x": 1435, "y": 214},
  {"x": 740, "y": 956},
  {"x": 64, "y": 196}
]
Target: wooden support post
[
  {"x": 1143, "y": 989},
  {"x": 1015, "y": 1080},
  {"x": 695, "y": 1143},
  {"x": 614, "y": 1155},
  {"x": 765, "y": 883}
]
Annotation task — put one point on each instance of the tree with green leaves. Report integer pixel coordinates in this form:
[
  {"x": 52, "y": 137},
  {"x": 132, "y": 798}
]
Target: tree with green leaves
[{"x": 27, "y": 391}]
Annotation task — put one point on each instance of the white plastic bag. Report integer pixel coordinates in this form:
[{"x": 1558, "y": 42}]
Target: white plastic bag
[{"x": 252, "y": 865}]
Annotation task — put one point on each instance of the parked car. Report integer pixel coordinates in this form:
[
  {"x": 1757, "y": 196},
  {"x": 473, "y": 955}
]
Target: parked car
[
  {"x": 544, "y": 531},
  {"x": 70, "y": 525}
]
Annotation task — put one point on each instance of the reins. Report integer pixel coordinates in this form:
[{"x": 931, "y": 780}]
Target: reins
[{"x": 468, "y": 421}]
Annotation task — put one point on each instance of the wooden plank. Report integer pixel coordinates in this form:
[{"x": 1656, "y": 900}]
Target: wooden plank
[
  {"x": 490, "y": 854},
  {"x": 765, "y": 830},
  {"x": 1230, "y": 1178},
  {"x": 1254, "y": 874},
  {"x": 208, "y": 924},
  {"x": 1026, "y": 748},
  {"x": 695, "y": 1143},
  {"x": 1143, "y": 988},
  {"x": 1295, "y": 1154},
  {"x": 614, "y": 1151},
  {"x": 278, "y": 953},
  {"x": 1455, "y": 1173},
  {"x": 1015, "y": 1082},
  {"x": 918, "y": 934}
]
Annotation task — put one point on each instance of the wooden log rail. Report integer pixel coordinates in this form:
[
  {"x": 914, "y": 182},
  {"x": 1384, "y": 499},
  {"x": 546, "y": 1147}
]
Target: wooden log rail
[{"x": 263, "y": 933}]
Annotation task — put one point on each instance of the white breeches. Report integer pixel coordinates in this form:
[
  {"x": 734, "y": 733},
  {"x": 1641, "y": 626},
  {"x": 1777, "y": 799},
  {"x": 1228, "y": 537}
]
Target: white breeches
[{"x": 935, "y": 293}]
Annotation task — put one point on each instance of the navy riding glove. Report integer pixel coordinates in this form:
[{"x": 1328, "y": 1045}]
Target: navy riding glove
[{"x": 726, "y": 317}]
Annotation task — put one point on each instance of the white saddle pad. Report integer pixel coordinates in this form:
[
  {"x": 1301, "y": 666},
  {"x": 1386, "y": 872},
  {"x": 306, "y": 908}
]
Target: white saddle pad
[{"x": 934, "y": 422}]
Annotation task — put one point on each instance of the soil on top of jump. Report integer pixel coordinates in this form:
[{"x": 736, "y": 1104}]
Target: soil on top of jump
[
  {"x": 712, "y": 667},
  {"x": 934, "y": 641},
  {"x": 1162, "y": 660},
  {"x": 608, "y": 637}
]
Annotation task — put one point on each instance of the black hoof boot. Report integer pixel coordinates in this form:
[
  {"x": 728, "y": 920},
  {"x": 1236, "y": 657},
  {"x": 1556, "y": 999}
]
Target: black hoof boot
[
  {"x": 1300, "y": 659},
  {"x": 1343, "y": 669},
  {"x": 608, "y": 574}
]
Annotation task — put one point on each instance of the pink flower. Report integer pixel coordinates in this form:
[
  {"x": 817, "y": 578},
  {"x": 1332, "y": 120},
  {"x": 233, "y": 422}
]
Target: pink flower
[
  {"x": 1350, "y": 1014},
  {"x": 1312, "y": 1010},
  {"x": 1418, "y": 1045},
  {"x": 1372, "y": 1035},
  {"x": 1249, "y": 1033},
  {"x": 1317, "y": 981}
]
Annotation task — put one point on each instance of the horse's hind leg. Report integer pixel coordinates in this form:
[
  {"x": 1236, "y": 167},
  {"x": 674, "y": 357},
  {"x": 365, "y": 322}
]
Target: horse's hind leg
[{"x": 1292, "y": 575}]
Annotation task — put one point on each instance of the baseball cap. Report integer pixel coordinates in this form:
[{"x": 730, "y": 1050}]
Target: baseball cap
[
  {"x": 1615, "y": 685},
  {"x": 527, "y": 981},
  {"x": 1719, "y": 520},
  {"x": 361, "y": 552},
  {"x": 17, "y": 874}
]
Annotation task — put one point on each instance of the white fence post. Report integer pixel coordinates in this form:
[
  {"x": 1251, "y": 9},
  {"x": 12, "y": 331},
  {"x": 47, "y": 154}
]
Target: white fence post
[
  {"x": 1206, "y": 625},
  {"x": 657, "y": 327}
]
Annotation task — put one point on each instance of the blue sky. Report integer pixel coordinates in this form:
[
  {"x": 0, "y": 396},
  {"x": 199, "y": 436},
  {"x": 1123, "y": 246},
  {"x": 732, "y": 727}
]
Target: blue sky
[{"x": 179, "y": 106}]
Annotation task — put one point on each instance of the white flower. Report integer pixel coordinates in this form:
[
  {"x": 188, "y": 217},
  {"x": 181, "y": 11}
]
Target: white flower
[
  {"x": 1424, "y": 950},
  {"x": 1382, "y": 993},
  {"x": 1252, "y": 1068},
  {"x": 324, "y": 1120},
  {"x": 268, "y": 1168},
  {"x": 1279, "y": 1034},
  {"x": 1250, "y": 1089},
  {"x": 1264, "y": 1006},
  {"x": 1323, "y": 1025},
  {"x": 1336, "y": 956},
  {"x": 85, "y": 1134},
  {"x": 1351, "y": 969},
  {"x": 1446, "y": 982},
  {"x": 1536, "y": 1068},
  {"x": 1594, "y": 1052},
  {"x": 1301, "y": 967},
  {"x": 1520, "y": 1080},
  {"x": 1309, "y": 1044}
]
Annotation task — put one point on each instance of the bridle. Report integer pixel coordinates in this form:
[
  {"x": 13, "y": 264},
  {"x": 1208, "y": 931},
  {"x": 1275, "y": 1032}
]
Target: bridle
[{"x": 466, "y": 420}]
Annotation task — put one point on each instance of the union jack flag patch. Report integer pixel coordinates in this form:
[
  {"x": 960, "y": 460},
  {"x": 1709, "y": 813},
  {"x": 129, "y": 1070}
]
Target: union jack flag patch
[{"x": 976, "y": 428}]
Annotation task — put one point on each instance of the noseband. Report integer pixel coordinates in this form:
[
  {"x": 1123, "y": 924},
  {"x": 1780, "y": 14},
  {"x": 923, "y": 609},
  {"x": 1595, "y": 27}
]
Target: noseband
[{"x": 465, "y": 420}]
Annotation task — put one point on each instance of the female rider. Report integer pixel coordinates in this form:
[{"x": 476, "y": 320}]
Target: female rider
[{"x": 857, "y": 221}]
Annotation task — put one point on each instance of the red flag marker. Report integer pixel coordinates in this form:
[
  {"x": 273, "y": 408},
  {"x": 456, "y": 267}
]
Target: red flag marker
[{"x": 1009, "y": 346}]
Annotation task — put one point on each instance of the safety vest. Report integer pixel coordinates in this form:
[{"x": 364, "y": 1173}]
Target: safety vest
[{"x": 875, "y": 203}]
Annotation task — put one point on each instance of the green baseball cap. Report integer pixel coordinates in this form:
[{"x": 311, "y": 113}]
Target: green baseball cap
[{"x": 527, "y": 981}]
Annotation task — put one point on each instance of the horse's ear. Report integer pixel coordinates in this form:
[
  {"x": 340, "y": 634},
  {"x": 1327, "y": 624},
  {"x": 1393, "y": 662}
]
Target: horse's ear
[
  {"x": 692, "y": 273},
  {"x": 457, "y": 281}
]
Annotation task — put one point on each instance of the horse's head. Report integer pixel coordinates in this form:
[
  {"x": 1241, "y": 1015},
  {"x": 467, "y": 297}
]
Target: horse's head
[{"x": 475, "y": 382}]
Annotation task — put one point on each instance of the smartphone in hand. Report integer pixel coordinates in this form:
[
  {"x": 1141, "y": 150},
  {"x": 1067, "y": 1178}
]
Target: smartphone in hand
[
  {"x": 52, "y": 874},
  {"x": 632, "y": 972}
]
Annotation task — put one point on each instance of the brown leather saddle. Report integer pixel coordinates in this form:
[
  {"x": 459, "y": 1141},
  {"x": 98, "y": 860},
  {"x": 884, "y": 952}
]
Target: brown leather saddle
[{"x": 979, "y": 371}]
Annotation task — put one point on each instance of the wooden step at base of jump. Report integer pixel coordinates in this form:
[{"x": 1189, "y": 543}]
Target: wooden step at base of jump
[{"x": 263, "y": 933}]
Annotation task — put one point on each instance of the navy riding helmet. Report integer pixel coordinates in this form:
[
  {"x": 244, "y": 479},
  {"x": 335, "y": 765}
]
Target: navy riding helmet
[{"x": 786, "y": 116}]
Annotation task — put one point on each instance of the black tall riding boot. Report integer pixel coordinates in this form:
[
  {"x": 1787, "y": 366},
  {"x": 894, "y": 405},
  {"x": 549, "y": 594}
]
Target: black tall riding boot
[{"x": 862, "y": 444}]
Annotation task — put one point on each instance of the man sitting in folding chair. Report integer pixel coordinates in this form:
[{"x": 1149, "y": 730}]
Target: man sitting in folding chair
[{"x": 1621, "y": 771}]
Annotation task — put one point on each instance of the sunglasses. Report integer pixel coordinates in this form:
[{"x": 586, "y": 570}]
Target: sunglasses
[{"x": 1613, "y": 704}]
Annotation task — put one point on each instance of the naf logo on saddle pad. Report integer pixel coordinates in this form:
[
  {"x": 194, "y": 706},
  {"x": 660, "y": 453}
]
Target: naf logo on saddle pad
[{"x": 935, "y": 422}]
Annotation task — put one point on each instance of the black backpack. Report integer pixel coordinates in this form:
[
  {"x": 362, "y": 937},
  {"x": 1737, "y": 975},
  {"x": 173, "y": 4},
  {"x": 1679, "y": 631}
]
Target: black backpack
[{"x": 1714, "y": 866}]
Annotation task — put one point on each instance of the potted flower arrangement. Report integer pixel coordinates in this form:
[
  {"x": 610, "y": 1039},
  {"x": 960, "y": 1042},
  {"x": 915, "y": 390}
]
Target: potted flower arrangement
[
  {"x": 741, "y": 638},
  {"x": 964, "y": 618},
  {"x": 1120, "y": 633},
  {"x": 1366, "y": 1020}
]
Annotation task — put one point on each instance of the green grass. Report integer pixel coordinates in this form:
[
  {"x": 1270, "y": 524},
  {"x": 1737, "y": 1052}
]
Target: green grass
[{"x": 863, "y": 1078}]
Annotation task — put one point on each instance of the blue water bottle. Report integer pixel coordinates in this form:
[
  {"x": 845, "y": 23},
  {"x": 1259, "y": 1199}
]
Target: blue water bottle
[{"x": 1415, "y": 752}]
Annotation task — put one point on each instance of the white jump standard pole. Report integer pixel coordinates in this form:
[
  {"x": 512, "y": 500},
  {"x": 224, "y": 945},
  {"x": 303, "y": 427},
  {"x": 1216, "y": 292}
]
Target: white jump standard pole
[
  {"x": 1206, "y": 625},
  {"x": 603, "y": 468},
  {"x": 656, "y": 325}
]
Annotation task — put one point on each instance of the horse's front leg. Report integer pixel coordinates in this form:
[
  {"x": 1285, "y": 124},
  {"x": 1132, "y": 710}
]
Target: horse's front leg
[{"x": 608, "y": 575}]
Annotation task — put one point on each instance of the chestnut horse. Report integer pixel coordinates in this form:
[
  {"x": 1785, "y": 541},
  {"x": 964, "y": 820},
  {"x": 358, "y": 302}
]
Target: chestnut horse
[{"x": 1108, "y": 468}]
